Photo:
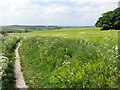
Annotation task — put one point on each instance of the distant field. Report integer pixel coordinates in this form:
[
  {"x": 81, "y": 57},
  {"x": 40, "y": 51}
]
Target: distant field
[
  {"x": 71, "y": 57},
  {"x": 22, "y": 29}
]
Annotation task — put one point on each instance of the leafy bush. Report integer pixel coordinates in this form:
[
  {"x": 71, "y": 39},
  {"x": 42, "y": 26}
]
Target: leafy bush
[
  {"x": 7, "y": 62},
  {"x": 109, "y": 20}
]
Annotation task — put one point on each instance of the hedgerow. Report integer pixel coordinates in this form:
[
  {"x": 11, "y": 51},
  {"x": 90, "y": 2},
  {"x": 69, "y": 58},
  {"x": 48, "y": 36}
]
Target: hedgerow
[{"x": 7, "y": 56}]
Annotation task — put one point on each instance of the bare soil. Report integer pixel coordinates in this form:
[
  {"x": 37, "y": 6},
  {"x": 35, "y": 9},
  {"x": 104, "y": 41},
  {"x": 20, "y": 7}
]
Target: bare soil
[{"x": 20, "y": 82}]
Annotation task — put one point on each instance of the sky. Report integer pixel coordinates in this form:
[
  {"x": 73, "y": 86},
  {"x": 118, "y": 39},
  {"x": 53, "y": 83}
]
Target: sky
[{"x": 54, "y": 12}]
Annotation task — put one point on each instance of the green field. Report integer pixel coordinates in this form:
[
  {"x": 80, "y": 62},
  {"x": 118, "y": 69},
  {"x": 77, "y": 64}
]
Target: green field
[
  {"x": 74, "y": 57},
  {"x": 26, "y": 28},
  {"x": 70, "y": 58}
]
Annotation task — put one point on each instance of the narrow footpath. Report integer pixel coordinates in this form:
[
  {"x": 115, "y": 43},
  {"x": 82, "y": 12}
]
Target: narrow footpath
[{"x": 20, "y": 82}]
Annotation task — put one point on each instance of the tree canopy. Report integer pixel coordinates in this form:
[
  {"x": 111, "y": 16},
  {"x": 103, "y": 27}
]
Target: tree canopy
[{"x": 109, "y": 20}]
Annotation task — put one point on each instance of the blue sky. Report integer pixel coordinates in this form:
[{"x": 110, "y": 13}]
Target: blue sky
[{"x": 53, "y": 12}]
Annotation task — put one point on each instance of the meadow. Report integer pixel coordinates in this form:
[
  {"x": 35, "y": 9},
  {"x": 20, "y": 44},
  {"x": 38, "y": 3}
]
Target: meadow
[
  {"x": 62, "y": 58},
  {"x": 70, "y": 58}
]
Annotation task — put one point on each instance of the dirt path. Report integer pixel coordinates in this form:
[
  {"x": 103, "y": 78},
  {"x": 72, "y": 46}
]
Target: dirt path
[{"x": 20, "y": 83}]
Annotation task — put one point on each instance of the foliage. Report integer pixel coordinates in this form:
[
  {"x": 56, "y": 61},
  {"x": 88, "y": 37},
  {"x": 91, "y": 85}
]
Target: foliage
[
  {"x": 3, "y": 33},
  {"x": 8, "y": 45},
  {"x": 11, "y": 31},
  {"x": 109, "y": 20},
  {"x": 26, "y": 31}
]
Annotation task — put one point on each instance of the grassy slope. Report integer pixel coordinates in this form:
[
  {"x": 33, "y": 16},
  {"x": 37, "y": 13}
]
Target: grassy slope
[{"x": 89, "y": 61}]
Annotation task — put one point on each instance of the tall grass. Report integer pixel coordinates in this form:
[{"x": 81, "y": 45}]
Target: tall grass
[
  {"x": 7, "y": 55},
  {"x": 69, "y": 63}
]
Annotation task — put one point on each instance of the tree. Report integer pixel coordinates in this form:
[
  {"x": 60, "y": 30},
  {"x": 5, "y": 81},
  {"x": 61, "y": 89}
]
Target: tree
[
  {"x": 109, "y": 20},
  {"x": 3, "y": 33},
  {"x": 26, "y": 30}
]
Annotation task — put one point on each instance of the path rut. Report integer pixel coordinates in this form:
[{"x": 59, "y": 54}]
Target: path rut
[{"x": 20, "y": 82}]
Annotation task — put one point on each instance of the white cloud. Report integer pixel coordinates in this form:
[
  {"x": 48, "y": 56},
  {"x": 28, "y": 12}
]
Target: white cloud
[
  {"x": 25, "y": 7},
  {"x": 79, "y": 13},
  {"x": 75, "y": 0},
  {"x": 17, "y": 7},
  {"x": 56, "y": 8}
]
